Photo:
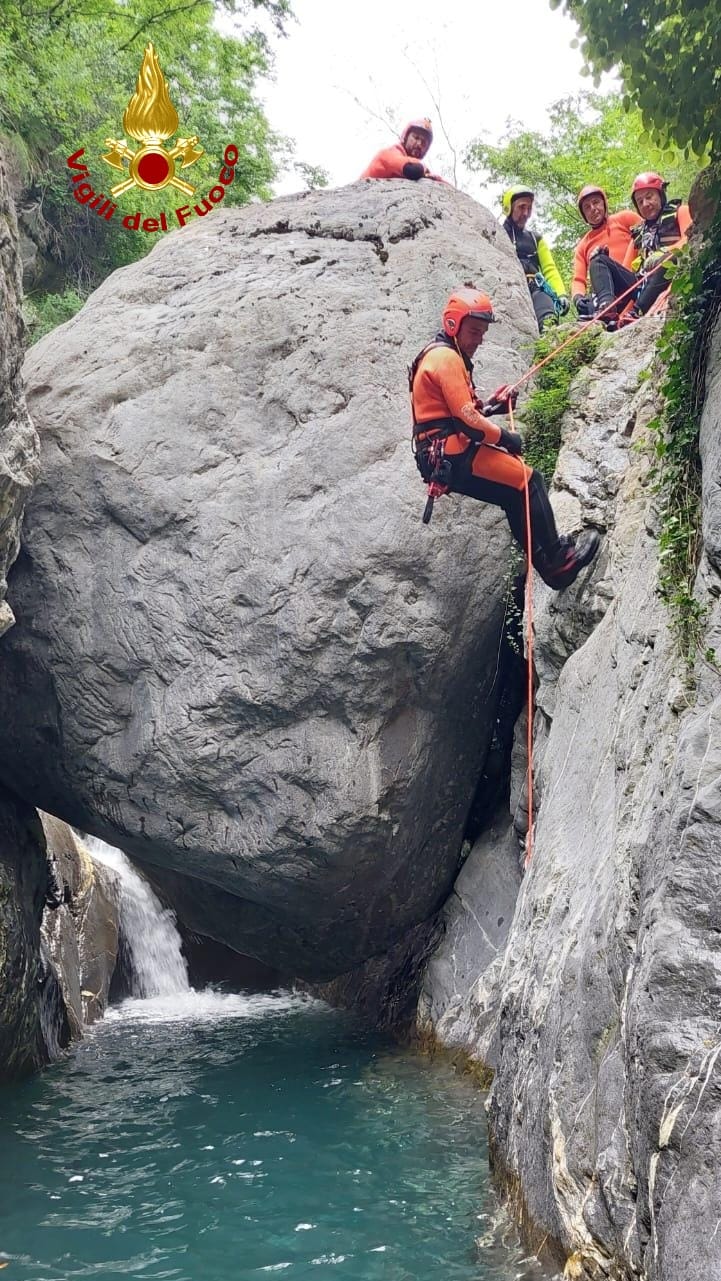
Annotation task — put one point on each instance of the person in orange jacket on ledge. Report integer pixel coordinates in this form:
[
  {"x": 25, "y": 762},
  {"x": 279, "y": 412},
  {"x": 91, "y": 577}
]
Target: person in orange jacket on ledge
[
  {"x": 405, "y": 158},
  {"x": 664, "y": 228},
  {"x": 484, "y": 459},
  {"x": 609, "y": 233}
]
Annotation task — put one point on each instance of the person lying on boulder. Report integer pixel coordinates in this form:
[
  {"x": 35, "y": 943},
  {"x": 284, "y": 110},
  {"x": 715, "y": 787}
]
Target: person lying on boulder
[
  {"x": 609, "y": 233},
  {"x": 664, "y": 228},
  {"x": 405, "y": 158},
  {"x": 545, "y": 283},
  {"x": 483, "y": 459}
]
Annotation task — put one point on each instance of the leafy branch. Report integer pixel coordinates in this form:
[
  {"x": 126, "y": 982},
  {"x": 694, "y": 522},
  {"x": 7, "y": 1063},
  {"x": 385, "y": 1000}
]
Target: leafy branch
[{"x": 683, "y": 347}]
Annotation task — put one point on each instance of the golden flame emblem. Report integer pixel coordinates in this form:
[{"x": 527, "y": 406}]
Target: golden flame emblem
[{"x": 150, "y": 118}]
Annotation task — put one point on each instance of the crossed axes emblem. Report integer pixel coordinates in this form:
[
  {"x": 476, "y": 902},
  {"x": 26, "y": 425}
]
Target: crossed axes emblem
[{"x": 152, "y": 167}]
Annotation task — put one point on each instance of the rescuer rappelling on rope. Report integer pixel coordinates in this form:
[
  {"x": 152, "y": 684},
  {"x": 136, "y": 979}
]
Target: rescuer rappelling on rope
[{"x": 459, "y": 450}]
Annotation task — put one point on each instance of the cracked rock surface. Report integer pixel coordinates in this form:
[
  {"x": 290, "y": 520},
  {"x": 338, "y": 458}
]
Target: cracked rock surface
[
  {"x": 243, "y": 659},
  {"x": 18, "y": 441}
]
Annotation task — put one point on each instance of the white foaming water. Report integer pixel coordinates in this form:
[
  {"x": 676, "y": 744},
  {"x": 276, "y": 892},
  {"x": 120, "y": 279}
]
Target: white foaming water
[
  {"x": 161, "y": 992},
  {"x": 209, "y": 1006},
  {"x": 156, "y": 958}
]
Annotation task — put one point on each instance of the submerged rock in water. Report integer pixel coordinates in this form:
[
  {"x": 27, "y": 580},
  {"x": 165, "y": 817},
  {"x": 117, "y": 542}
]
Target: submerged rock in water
[
  {"x": 81, "y": 927},
  {"x": 243, "y": 658}
]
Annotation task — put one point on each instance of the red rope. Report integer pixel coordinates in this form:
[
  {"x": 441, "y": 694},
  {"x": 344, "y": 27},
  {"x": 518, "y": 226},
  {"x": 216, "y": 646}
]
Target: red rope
[{"x": 581, "y": 331}]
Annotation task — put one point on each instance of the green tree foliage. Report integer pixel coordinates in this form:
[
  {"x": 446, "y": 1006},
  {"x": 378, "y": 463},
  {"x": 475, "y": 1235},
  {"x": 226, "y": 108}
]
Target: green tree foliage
[
  {"x": 683, "y": 350},
  {"x": 590, "y": 138},
  {"x": 669, "y": 56},
  {"x": 68, "y": 69},
  {"x": 50, "y": 311}
]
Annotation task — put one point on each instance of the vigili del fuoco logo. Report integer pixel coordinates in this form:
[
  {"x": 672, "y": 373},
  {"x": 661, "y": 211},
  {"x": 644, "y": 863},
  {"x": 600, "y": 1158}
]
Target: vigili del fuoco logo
[{"x": 150, "y": 118}]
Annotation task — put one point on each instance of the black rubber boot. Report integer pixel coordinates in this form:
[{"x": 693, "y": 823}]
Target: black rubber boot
[
  {"x": 547, "y": 546},
  {"x": 576, "y": 555},
  {"x": 610, "y": 318}
]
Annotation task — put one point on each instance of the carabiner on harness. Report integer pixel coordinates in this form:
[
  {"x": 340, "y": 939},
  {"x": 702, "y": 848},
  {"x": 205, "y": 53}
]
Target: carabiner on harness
[{"x": 436, "y": 471}]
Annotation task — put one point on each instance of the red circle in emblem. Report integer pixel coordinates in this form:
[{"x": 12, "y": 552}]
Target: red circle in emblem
[{"x": 153, "y": 168}]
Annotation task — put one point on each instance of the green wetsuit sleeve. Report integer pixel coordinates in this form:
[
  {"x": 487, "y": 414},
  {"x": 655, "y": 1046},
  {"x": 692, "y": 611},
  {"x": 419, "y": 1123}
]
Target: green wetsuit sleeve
[{"x": 549, "y": 268}]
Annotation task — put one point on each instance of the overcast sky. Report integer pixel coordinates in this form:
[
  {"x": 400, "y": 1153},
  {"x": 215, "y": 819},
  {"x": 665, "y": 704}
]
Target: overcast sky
[{"x": 344, "y": 65}]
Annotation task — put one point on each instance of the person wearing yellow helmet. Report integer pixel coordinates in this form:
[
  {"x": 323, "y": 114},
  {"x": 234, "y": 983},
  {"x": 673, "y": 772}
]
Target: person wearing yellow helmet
[
  {"x": 481, "y": 459},
  {"x": 405, "y": 158},
  {"x": 545, "y": 283}
]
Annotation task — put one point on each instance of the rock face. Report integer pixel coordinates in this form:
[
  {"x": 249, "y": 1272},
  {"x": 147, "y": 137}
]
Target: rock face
[
  {"x": 23, "y": 879},
  {"x": 457, "y": 1006},
  {"x": 22, "y": 864},
  {"x": 81, "y": 929},
  {"x": 18, "y": 441},
  {"x": 40, "y": 270},
  {"x": 242, "y": 657},
  {"x": 602, "y": 1019}
]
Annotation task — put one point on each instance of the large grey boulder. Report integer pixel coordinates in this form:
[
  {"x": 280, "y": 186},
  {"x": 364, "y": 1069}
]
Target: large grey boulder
[{"x": 242, "y": 658}]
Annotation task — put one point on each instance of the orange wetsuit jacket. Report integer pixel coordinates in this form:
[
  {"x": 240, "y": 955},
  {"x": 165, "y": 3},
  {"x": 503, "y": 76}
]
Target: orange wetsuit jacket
[
  {"x": 394, "y": 162},
  {"x": 614, "y": 234},
  {"x": 443, "y": 388}
]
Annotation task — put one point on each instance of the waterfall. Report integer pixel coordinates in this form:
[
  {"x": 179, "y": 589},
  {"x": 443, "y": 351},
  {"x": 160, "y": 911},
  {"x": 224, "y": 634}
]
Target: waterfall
[{"x": 149, "y": 929}]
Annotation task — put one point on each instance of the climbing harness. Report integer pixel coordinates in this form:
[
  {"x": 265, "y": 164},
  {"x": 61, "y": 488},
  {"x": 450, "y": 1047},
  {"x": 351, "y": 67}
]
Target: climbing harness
[
  {"x": 429, "y": 443},
  {"x": 531, "y": 264},
  {"x": 665, "y": 230},
  {"x": 541, "y": 283}
]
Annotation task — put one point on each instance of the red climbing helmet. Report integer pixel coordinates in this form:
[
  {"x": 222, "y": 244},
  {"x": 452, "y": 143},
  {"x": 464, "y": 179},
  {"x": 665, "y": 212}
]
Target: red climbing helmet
[
  {"x": 648, "y": 182},
  {"x": 590, "y": 190},
  {"x": 466, "y": 302},
  {"x": 421, "y": 126}
]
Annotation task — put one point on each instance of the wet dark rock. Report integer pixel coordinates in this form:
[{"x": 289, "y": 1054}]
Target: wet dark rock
[
  {"x": 81, "y": 929},
  {"x": 23, "y": 882}
]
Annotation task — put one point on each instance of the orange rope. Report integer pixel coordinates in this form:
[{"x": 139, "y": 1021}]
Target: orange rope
[{"x": 579, "y": 332}]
